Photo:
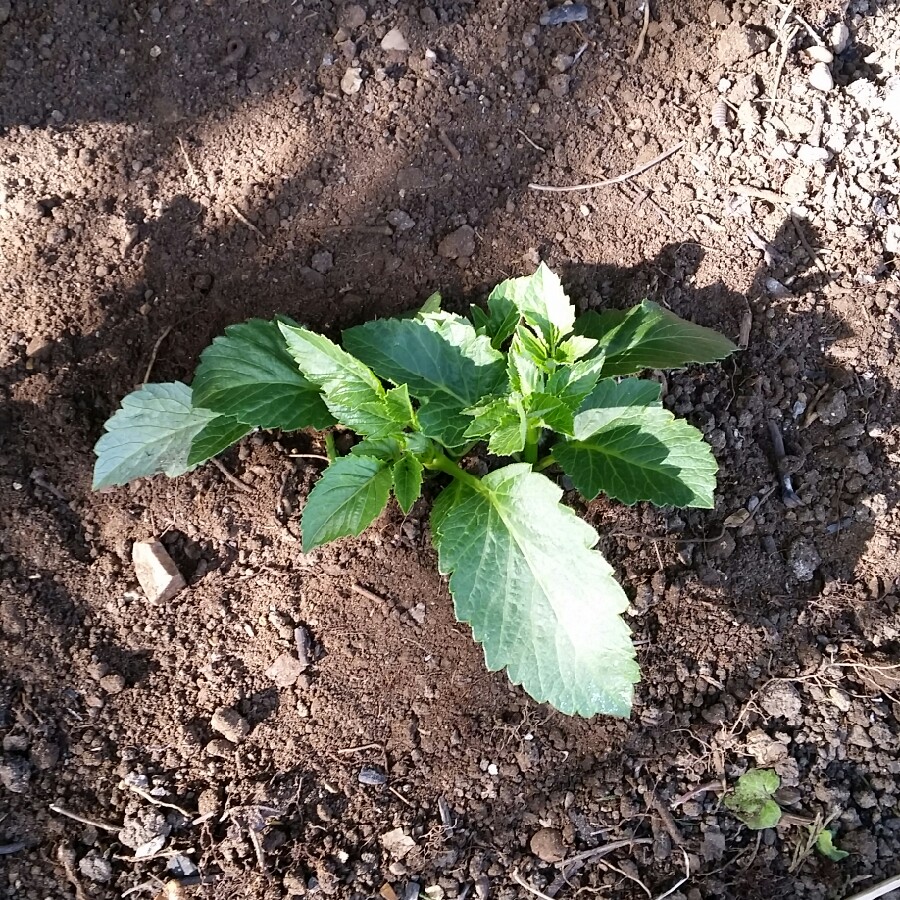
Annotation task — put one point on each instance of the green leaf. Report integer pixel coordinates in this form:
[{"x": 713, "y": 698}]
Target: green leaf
[
  {"x": 649, "y": 337},
  {"x": 248, "y": 374},
  {"x": 407, "y": 475},
  {"x": 400, "y": 406},
  {"x": 352, "y": 393},
  {"x": 387, "y": 448},
  {"x": 825, "y": 846},
  {"x": 499, "y": 322},
  {"x": 573, "y": 383},
  {"x": 502, "y": 422},
  {"x": 150, "y": 434},
  {"x": 637, "y": 452},
  {"x": 219, "y": 434},
  {"x": 751, "y": 801},
  {"x": 550, "y": 412},
  {"x": 432, "y": 304},
  {"x": 440, "y": 358},
  {"x": 348, "y": 497},
  {"x": 541, "y": 301},
  {"x": 574, "y": 348},
  {"x": 541, "y": 601}
]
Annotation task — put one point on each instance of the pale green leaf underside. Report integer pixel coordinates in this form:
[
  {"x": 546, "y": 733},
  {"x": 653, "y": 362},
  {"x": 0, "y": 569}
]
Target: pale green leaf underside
[
  {"x": 825, "y": 846},
  {"x": 248, "y": 374},
  {"x": 650, "y": 337},
  {"x": 150, "y": 434},
  {"x": 751, "y": 801},
  {"x": 352, "y": 393},
  {"x": 544, "y": 605},
  {"x": 442, "y": 361},
  {"x": 407, "y": 476},
  {"x": 348, "y": 497},
  {"x": 540, "y": 300}
]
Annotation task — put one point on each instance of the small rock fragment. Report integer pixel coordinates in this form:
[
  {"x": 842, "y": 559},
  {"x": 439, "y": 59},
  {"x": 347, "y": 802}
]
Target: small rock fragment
[
  {"x": 417, "y": 613},
  {"x": 95, "y": 867},
  {"x": 840, "y": 38},
  {"x": 395, "y": 41},
  {"x": 718, "y": 13},
  {"x": 304, "y": 644},
  {"x": 285, "y": 670},
  {"x": 5, "y": 11},
  {"x": 400, "y": 220},
  {"x": 818, "y": 53},
  {"x": 371, "y": 776},
  {"x": 397, "y": 843},
  {"x": 39, "y": 347},
  {"x": 547, "y": 845},
  {"x": 219, "y": 748},
  {"x": 748, "y": 114},
  {"x": 144, "y": 827},
  {"x": 834, "y": 410},
  {"x": 713, "y": 847},
  {"x": 156, "y": 572},
  {"x": 562, "y": 15},
  {"x": 322, "y": 262},
  {"x": 559, "y": 85},
  {"x": 804, "y": 559},
  {"x": 352, "y": 81},
  {"x": 459, "y": 244},
  {"x": 351, "y": 16},
  {"x": 230, "y": 724},
  {"x": 820, "y": 77},
  {"x": 859, "y": 738},
  {"x": 737, "y": 43},
  {"x": 781, "y": 700},
  {"x": 809, "y": 155},
  {"x": 112, "y": 684},
  {"x": 14, "y": 775},
  {"x": 44, "y": 754}
]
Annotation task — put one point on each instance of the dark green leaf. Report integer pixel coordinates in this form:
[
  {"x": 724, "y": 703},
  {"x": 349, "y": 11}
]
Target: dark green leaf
[
  {"x": 615, "y": 402},
  {"x": 499, "y": 322},
  {"x": 541, "y": 601},
  {"x": 443, "y": 362},
  {"x": 352, "y": 393},
  {"x": 348, "y": 497},
  {"x": 249, "y": 375},
  {"x": 387, "y": 448},
  {"x": 219, "y": 434},
  {"x": 649, "y": 337},
  {"x": 150, "y": 434},
  {"x": 407, "y": 476}
]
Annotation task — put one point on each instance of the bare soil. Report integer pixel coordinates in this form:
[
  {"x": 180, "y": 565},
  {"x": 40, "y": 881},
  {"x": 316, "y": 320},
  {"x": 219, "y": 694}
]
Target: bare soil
[{"x": 168, "y": 169}]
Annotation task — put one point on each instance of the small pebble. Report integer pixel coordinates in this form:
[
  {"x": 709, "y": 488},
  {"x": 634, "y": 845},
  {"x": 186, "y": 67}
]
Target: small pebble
[
  {"x": 563, "y": 15},
  {"x": 395, "y": 41},
  {"x": 820, "y": 77},
  {"x": 352, "y": 81},
  {"x": 230, "y": 724},
  {"x": 285, "y": 670},
  {"x": 400, "y": 220},
  {"x": 547, "y": 845},
  {"x": 96, "y": 868},
  {"x": 817, "y": 53},
  {"x": 840, "y": 38},
  {"x": 371, "y": 776},
  {"x": 352, "y": 16},
  {"x": 459, "y": 244},
  {"x": 14, "y": 775},
  {"x": 322, "y": 262},
  {"x": 112, "y": 684}
]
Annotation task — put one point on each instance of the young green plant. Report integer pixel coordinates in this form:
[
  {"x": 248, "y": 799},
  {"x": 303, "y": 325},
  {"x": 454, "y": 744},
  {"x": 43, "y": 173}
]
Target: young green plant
[{"x": 544, "y": 390}]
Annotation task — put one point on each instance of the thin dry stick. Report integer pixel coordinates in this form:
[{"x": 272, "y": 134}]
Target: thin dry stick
[
  {"x": 639, "y": 49},
  {"x": 619, "y": 179},
  {"x": 519, "y": 880},
  {"x": 242, "y": 218},
  {"x": 785, "y": 49},
  {"x": 65, "y": 855},
  {"x": 700, "y": 789},
  {"x": 814, "y": 257},
  {"x": 195, "y": 181},
  {"x": 678, "y": 884},
  {"x": 656, "y": 804},
  {"x": 401, "y": 798},
  {"x": 157, "y": 802},
  {"x": 231, "y": 478},
  {"x": 597, "y": 852},
  {"x": 97, "y": 823},
  {"x": 451, "y": 148},
  {"x": 309, "y": 456},
  {"x": 760, "y": 193},
  {"x": 530, "y": 141},
  {"x": 363, "y": 592},
  {"x": 156, "y": 347}
]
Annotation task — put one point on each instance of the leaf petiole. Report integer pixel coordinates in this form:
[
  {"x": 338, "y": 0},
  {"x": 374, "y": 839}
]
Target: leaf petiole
[
  {"x": 441, "y": 463},
  {"x": 329, "y": 446},
  {"x": 544, "y": 463}
]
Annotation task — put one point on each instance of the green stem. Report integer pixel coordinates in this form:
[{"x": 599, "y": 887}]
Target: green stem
[
  {"x": 530, "y": 453},
  {"x": 441, "y": 463},
  {"x": 545, "y": 463},
  {"x": 329, "y": 446}
]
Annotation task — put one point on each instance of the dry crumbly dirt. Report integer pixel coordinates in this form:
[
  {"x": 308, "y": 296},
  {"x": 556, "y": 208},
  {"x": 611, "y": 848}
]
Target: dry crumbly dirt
[{"x": 167, "y": 169}]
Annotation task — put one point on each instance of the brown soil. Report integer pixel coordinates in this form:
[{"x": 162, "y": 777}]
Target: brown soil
[{"x": 168, "y": 169}]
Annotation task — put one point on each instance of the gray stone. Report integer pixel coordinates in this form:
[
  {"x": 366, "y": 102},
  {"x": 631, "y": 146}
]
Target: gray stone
[
  {"x": 400, "y": 220},
  {"x": 820, "y": 77},
  {"x": 781, "y": 700},
  {"x": 156, "y": 571},
  {"x": 285, "y": 670},
  {"x": 230, "y": 724},
  {"x": 804, "y": 559},
  {"x": 96, "y": 868},
  {"x": 322, "y": 262},
  {"x": 112, "y": 684},
  {"x": 15, "y": 774}
]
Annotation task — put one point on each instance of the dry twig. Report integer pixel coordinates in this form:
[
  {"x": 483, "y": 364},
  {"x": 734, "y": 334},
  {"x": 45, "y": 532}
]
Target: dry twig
[
  {"x": 530, "y": 141},
  {"x": 156, "y": 347},
  {"x": 195, "y": 180},
  {"x": 639, "y": 49},
  {"x": 240, "y": 485},
  {"x": 451, "y": 148},
  {"x": 242, "y": 218},
  {"x": 619, "y": 179},
  {"x": 519, "y": 880},
  {"x": 365, "y": 592},
  {"x": 97, "y": 823},
  {"x": 156, "y": 801}
]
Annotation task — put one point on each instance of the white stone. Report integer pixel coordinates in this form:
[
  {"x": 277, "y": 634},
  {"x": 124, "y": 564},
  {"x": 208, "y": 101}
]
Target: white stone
[
  {"x": 840, "y": 37},
  {"x": 394, "y": 40},
  {"x": 351, "y": 83},
  {"x": 818, "y": 53},
  {"x": 156, "y": 572},
  {"x": 820, "y": 77},
  {"x": 809, "y": 155}
]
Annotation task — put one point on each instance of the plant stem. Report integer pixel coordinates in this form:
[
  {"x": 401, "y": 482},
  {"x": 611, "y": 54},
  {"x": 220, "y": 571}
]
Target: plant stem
[
  {"x": 544, "y": 463},
  {"x": 441, "y": 463},
  {"x": 329, "y": 447},
  {"x": 530, "y": 453}
]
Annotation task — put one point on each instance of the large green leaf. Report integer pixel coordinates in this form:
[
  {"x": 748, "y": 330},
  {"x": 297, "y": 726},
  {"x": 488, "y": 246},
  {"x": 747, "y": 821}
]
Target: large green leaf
[
  {"x": 407, "y": 475},
  {"x": 630, "y": 448},
  {"x": 355, "y": 397},
  {"x": 352, "y": 491},
  {"x": 439, "y": 357},
  {"x": 650, "y": 337},
  {"x": 541, "y": 601},
  {"x": 152, "y": 433},
  {"x": 541, "y": 301},
  {"x": 248, "y": 374},
  {"x": 573, "y": 383}
]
